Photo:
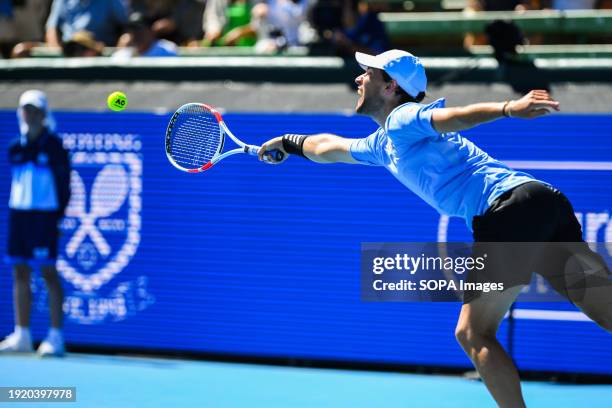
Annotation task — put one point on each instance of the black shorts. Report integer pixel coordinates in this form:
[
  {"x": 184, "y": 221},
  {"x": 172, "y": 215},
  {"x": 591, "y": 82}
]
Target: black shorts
[
  {"x": 33, "y": 236},
  {"x": 530, "y": 213}
]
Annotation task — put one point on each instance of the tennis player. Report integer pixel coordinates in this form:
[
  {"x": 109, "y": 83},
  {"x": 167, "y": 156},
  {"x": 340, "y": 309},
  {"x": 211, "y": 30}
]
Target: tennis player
[
  {"x": 40, "y": 191},
  {"x": 419, "y": 145}
]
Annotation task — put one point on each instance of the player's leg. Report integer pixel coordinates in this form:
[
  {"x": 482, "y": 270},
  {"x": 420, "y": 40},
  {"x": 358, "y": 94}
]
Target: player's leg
[
  {"x": 53, "y": 344},
  {"x": 476, "y": 333},
  {"x": 19, "y": 252},
  {"x": 521, "y": 215},
  {"x": 22, "y": 294},
  {"x": 20, "y": 340},
  {"x": 590, "y": 287},
  {"x": 56, "y": 295},
  {"x": 577, "y": 272}
]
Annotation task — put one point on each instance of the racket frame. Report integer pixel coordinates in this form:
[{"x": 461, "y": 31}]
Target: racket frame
[{"x": 223, "y": 131}]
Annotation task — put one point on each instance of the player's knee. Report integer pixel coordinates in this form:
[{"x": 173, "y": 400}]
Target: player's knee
[
  {"x": 470, "y": 337},
  {"x": 21, "y": 273},
  {"x": 465, "y": 336}
]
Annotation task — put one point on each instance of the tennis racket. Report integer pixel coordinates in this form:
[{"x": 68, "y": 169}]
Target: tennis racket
[{"x": 195, "y": 138}]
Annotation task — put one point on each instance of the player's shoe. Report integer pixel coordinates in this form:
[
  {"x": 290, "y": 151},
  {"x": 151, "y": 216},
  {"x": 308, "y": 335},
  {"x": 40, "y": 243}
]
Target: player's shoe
[
  {"x": 17, "y": 343},
  {"x": 52, "y": 346}
]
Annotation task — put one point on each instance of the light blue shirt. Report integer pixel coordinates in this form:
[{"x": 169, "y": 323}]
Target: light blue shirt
[
  {"x": 104, "y": 18},
  {"x": 33, "y": 187},
  {"x": 160, "y": 48},
  {"x": 446, "y": 170}
]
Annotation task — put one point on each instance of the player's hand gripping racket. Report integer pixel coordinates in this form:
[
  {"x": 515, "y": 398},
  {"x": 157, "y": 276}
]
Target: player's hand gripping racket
[{"x": 196, "y": 135}]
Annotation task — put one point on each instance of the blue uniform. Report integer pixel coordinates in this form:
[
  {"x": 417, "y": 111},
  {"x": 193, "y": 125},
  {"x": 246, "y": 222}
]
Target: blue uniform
[
  {"x": 104, "y": 18},
  {"x": 40, "y": 191},
  {"x": 446, "y": 170}
]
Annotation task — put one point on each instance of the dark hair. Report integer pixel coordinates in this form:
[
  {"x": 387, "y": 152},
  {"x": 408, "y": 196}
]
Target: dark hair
[{"x": 404, "y": 96}]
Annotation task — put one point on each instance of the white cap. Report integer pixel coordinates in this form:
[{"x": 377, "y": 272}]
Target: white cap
[
  {"x": 39, "y": 100},
  {"x": 402, "y": 66},
  {"x": 35, "y": 98}
]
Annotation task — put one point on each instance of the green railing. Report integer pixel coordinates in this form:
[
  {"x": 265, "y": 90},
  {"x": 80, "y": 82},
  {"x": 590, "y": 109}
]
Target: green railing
[
  {"x": 48, "y": 52},
  {"x": 453, "y": 23},
  {"x": 553, "y": 51},
  {"x": 534, "y": 51},
  {"x": 294, "y": 69}
]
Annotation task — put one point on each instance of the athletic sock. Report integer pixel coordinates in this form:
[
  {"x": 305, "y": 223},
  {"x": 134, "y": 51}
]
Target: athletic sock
[
  {"x": 22, "y": 331},
  {"x": 55, "y": 333}
]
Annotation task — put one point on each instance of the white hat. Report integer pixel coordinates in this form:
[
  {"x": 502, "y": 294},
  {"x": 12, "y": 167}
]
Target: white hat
[
  {"x": 38, "y": 99},
  {"x": 35, "y": 98},
  {"x": 402, "y": 66}
]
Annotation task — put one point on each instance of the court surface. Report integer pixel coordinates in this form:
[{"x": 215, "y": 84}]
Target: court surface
[{"x": 118, "y": 381}]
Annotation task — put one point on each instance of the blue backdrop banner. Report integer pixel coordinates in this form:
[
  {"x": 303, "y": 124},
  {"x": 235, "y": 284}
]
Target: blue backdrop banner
[{"x": 259, "y": 260}]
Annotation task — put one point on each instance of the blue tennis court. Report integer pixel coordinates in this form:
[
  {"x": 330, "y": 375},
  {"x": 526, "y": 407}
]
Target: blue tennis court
[{"x": 118, "y": 381}]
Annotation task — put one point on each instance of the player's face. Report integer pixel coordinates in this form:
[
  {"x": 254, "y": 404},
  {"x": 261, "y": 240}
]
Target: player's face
[
  {"x": 369, "y": 88},
  {"x": 33, "y": 116}
]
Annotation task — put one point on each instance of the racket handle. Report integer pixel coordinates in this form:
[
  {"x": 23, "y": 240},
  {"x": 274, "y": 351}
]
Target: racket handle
[{"x": 276, "y": 155}]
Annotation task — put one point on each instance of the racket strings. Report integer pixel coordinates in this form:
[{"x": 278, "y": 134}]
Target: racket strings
[{"x": 195, "y": 136}]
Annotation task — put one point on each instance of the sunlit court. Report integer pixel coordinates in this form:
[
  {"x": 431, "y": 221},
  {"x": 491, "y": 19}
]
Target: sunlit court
[
  {"x": 306, "y": 203},
  {"x": 103, "y": 380}
]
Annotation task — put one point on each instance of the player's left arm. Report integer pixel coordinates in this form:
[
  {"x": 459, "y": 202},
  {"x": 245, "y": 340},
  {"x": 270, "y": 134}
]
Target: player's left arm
[{"x": 535, "y": 103}]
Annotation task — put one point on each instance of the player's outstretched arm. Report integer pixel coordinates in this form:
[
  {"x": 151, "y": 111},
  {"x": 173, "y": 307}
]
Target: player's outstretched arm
[
  {"x": 535, "y": 103},
  {"x": 321, "y": 148}
]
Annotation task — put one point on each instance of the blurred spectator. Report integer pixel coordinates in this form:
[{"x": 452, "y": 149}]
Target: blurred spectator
[
  {"x": 227, "y": 22},
  {"x": 471, "y": 39},
  {"x": 569, "y": 4},
  {"x": 331, "y": 15},
  {"x": 142, "y": 42},
  {"x": 604, "y": 4},
  {"x": 176, "y": 20},
  {"x": 24, "y": 49},
  {"x": 30, "y": 17},
  {"x": 497, "y": 5},
  {"x": 367, "y": 35},
  {"x": 277, "y": 23},
  {"x": 186, "y": 22},
  {"x": 152, "y": 9},
  {"x": 103, "y": 18},
  {"x": 504, "y": 37},
  {"x": 327, "y": 17},
  {"x": 274, "y": 23},
  {"x": 82, "y": 44},
  {"x": 213, "y": 21},
  {"x": 520, "y": 73},
  {"x": 7, "y": 26}
]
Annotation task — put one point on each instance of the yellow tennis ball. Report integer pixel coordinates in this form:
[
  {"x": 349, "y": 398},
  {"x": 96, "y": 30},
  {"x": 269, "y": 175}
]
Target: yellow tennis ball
[{"x": 117, "y": 101}]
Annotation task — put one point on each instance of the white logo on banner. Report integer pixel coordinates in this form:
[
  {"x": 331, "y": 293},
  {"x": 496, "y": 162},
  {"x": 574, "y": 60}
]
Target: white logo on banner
[{"x": 101, "y": 228}]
